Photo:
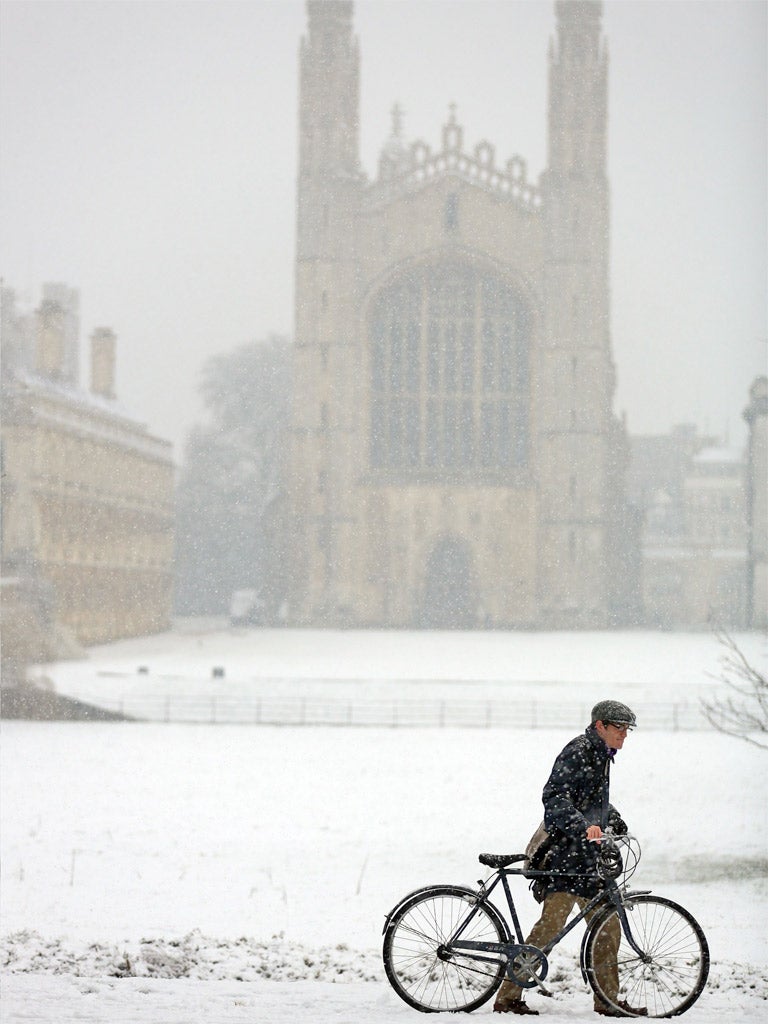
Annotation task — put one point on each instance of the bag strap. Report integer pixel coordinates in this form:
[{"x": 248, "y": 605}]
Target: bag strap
[{"x": 605, "y": 803}]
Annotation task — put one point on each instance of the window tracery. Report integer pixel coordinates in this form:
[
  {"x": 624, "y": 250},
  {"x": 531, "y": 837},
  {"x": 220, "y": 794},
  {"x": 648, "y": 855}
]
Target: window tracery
[{"x": 449, "y": 374}]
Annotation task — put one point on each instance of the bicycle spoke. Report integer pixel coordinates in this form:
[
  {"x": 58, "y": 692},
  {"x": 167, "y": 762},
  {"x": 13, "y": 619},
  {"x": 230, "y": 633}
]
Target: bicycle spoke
[
  {"x": 451, "y": 980},
  {"x": 670, "y": 974}
]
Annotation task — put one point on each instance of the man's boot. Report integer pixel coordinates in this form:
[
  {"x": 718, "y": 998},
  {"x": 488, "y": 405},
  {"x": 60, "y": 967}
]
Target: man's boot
[
  {"x": 630, "y": 1011},
  {"x": 518, "y": 1006}
]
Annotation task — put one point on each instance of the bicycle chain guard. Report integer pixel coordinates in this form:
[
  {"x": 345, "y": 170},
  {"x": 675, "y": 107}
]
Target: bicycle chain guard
[{"x": 528, "y": 967}]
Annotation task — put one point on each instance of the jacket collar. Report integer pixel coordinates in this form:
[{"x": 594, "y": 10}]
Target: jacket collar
[{"x": 598, "y": 743}]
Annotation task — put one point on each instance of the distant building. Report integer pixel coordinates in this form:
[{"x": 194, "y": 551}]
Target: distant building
[
  {"x": 87, "y": 492},
  {"x": 756, "y": 415},
  {"x": 456, "y": 461},
  {"x": 693, "y": 565}
]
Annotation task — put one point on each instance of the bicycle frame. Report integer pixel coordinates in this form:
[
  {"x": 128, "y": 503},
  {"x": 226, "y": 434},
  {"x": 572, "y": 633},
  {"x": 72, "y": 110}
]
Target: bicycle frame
[{"x": 610, "y": 895}]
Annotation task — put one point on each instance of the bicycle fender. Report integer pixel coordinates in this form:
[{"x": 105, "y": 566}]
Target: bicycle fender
[
  {"x": 425, "y": 888},
  {"x": 595, "y": 919},
  {"x": 582, "y": 965}
]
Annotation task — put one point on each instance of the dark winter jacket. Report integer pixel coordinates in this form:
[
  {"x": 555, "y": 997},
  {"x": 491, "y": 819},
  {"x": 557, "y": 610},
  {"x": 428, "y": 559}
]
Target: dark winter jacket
[{"x": 576, "y": 796}]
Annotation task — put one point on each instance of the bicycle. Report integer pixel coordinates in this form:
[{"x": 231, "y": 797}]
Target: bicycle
[{"x": 448, "y": 948}]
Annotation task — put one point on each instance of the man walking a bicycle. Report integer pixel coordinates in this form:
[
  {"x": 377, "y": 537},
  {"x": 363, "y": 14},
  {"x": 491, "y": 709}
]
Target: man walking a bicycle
[
  {"x": 450, "y": 948},
  {"x": 577, "y": 809}
]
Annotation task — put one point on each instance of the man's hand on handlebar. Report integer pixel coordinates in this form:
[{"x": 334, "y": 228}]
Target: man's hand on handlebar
[{"x": 594, "y": 834}]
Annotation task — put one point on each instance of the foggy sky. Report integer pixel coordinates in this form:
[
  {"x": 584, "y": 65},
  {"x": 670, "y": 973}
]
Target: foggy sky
[{"x": 149, "y": 160}]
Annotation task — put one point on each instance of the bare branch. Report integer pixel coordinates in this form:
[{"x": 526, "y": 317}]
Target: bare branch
[{"x": 746, "y": 715}]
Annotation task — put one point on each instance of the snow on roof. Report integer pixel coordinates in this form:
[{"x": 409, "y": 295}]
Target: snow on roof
[
  {"x": 716, "y": 454},
  {"x": 71, "y": 406}
]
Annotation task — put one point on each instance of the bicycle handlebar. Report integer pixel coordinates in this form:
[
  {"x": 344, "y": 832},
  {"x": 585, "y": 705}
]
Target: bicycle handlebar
[{"x": 612, "y": 837}]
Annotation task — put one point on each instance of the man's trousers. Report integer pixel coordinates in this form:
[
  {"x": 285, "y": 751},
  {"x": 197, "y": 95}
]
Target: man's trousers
[{"x": 554, "y": 913}]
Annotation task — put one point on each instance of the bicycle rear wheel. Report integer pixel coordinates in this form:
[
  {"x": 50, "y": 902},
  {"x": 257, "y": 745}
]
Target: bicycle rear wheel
[
  {"x": 670, "y": 975},
  {"x": 422, "y": 971}
]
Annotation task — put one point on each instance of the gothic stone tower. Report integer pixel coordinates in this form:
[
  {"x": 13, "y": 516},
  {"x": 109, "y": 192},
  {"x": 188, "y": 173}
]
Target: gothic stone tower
[{"x": 453, "y": 444}]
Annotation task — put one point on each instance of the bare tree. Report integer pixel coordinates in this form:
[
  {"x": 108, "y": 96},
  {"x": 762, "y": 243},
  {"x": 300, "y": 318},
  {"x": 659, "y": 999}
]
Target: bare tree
[{"x": 743, "y": 711}]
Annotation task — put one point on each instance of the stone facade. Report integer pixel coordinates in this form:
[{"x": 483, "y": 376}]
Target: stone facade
[
  {"x": 87, "y": 492},
  {"x": 455, "y": 458},
  {"x": 756, "y": 415},
  {"x": 692, "y": 496},
  {"x": 698, "y": 577}
]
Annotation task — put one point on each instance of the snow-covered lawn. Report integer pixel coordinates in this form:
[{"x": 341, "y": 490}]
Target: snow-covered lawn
[
  {"x": 541, "y": 666},
  {"x": 171, "y": 874}
]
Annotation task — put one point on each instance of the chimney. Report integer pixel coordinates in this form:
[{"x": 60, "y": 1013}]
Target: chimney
[
  {"x": 103, "y": 362},
  {"x": 49, "y": 348}
]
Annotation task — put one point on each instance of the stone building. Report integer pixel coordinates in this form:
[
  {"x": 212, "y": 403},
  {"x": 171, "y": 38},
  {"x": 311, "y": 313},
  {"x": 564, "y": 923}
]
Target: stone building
[
  {"x": 87, "y": 492},
  {"x": 700, "y": 577},
  {"x": 756, "y": 415},
  {"x": 693, "y": 496},
  {"x": 455, "y": 457}
]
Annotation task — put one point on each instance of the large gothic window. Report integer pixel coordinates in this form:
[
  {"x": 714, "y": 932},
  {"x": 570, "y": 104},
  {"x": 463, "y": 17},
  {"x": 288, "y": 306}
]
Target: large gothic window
[{"x": 449, "y": 374}]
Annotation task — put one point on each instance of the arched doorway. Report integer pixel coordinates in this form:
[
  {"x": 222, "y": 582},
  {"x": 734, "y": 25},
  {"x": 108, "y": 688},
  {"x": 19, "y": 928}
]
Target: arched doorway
[{"x": 449, "y": 600}]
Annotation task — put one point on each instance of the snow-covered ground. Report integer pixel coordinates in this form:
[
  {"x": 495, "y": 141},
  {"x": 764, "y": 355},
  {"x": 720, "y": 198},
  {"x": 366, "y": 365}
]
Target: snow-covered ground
[
  {"x": 644, "y": 665},
  {"x": 206, "y": 672},
  {"x": 172, "y": 874}
]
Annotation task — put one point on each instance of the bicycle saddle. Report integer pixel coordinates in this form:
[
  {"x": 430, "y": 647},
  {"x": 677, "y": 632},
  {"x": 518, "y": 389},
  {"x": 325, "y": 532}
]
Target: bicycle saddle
[{"x": 500, "y": 860}]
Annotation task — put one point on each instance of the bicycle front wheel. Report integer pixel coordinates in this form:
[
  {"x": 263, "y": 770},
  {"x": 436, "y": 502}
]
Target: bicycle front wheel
[
  {"x": 667, "y": 978},
  {"x": 428, "y": 974}
]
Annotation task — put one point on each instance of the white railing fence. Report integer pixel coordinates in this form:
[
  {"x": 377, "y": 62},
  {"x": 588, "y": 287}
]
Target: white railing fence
[{"x": 389, "y": 713}]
